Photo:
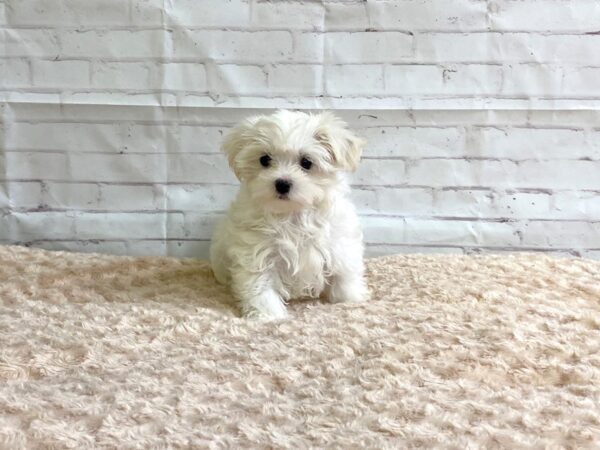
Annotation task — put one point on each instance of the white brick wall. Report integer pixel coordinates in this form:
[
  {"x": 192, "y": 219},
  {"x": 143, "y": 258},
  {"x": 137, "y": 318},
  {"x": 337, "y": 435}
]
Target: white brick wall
[{"x": 482, "y": 116}]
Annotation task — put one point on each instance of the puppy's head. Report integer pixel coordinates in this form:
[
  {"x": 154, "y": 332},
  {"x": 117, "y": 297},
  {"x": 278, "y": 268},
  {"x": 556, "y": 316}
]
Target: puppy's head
[{"x": 290, "y": 160}]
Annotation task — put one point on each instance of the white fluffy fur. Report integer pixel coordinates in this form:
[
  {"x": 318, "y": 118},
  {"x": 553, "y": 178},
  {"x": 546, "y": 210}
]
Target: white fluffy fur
[{"x": 272, "y": 248}]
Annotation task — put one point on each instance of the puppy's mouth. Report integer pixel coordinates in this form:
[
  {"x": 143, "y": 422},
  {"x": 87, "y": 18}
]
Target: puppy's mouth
[{"x": 284, "y": 203}]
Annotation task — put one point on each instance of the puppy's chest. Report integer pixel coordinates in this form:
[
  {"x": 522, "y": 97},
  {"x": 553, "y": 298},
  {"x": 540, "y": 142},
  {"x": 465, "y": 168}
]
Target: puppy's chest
[{"x": 303, "y": 261}]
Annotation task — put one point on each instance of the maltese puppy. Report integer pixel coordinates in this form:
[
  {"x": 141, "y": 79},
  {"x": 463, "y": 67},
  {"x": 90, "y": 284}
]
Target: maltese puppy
[{"x": 291, "y": 232}]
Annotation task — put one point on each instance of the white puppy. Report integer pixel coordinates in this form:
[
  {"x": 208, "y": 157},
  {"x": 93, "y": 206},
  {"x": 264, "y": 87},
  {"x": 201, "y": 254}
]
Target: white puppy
[{"x": 291, "y": 232}]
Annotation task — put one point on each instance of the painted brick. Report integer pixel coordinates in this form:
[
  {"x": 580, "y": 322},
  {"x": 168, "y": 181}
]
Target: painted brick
[
  {"x": 140, "y": 138},
  {"x": 95, "y": 246},
  {"x": 232, "y": 79},
  {"x": 380, "y": 172},
  {"x": 3, "y": 20},
  {"x": 184, "y": 77},
  {"x": 575, "y": 205},
  {"x": 288, "y": 15},
  {"x": 72, "y": 195},
  {"x": 118, "y": 225},
  {"x": 497, "y": 234},
  {"x": 148, "y": 12},
  {"x": 115, "y": 247},
  {"x": 405, "y": 201},
  {"x": 386, "y": 230},
  {"x": 459, "y": 232},
  {"x": 379, "y": 230},
  {"x": 472, "y": 79},
  {"x": 569, "y": 234},
  {"x": 365, "y": 199},
  {"x": 199, "y": 197},
  {"x": 506, "y": 174},
  {"x": 533, "y": 143},
  {"x": 463, "y": 203},
  {"x": 192, "y": 225},
  {"x": 411, "y": 79},
  {"x": 80, "y": 12},
  {"x": 124, "y": 75},
  {"x": 401, "y": 201},
  {"x": 428, "y": 15},
  {"x": 86, "y": 167},
  {"x": 188, "y": 249},
  {"x": 521, "y": 205},
  {"x": 95, "y": 196},
  {"x": 116, "y": 168},
  {"x": 296, "y": 79},
  {"x": 4, "y": 194},
  {"x": 36, "y": 166},
  {"x": 238, "y": 46},
  {"x": 64, "y": 74},
  {"x": 448, "y": 172},
  {"x": 364, "y": 47},
  {"x": 413, "y": 142},
  {"x": 491, "y": 204},
  {"x": 24, "y": 195},
  {"x": 4, "y": 166},
  {"x": 507, "y": 48},
  {"x": 15, "y": 73},
  {"x": 29, "y": 42},
  {"x": 308, "y": 47},
  {"x": 591, "y": 254},
  {"x": 437, "y": 232},
  {"x": 584, "y": 81},
  {"x": 140, "y": 75},
  {"x": 77, "y": 137},
  {"x": 531, "y": 80},
  {"x": 560, "y": 174},
  {"x": 548, "y": 118},
  {"x": 155, "y": 247},
  {"x": 42, "y": 225},
  {"x": 374, "y": 250},
  {"x": 109, "y": 43},
  {"x": 346, "y": 16},
  {"x": 87, "y": 137},
  {"x": 194, "y": 139},
  {"x": 208, "y": 13},
  {"x": 199, "y": 169},
  {"x": 131, "y": 198},
  {"x": 354, "y": 80},
  {"x": 557, "y": 15}
]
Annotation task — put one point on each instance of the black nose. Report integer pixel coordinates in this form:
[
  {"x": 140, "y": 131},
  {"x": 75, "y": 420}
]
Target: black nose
[{"x": 283, "y": 186}]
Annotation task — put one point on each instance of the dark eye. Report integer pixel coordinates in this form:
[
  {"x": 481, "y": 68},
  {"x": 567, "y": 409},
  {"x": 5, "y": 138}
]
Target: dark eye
[
  {"x": 306, "y": 163},
  {"x": 265, "y": 160}
]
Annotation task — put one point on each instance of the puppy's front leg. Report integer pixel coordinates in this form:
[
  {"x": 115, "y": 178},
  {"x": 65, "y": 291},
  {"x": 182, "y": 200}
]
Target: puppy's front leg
[
  {"x": 347, "y": 288},
  {"x": 347, "y": 283},
  {"x": 257, "y": 298}
]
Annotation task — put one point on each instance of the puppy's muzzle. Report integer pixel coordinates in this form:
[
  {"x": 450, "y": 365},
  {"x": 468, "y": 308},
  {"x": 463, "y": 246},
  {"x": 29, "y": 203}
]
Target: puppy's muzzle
[{"x": 283, "y": 186}]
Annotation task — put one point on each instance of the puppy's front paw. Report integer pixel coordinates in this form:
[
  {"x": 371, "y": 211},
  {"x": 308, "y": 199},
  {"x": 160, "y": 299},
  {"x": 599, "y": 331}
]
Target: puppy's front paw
[
  {"x": 354, "y": 291},
  {"x": 266, "y": 306}
]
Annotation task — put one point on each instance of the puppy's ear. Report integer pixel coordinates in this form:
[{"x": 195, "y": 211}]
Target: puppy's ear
[
  {"x": 235, "y": 140},
  {"x": 344, "y": 147}
]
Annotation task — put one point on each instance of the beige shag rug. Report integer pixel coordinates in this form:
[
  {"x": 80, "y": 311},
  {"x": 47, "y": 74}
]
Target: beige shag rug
[{"x": 453, "y": 352}]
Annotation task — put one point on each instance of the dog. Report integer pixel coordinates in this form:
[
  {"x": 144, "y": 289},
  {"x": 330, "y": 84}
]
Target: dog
[{"x": 292, "y": 231}]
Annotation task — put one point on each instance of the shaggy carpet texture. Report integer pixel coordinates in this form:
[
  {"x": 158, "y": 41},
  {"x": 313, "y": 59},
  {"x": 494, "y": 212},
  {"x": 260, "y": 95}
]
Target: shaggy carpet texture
[{"x": 457, "y": 352}]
